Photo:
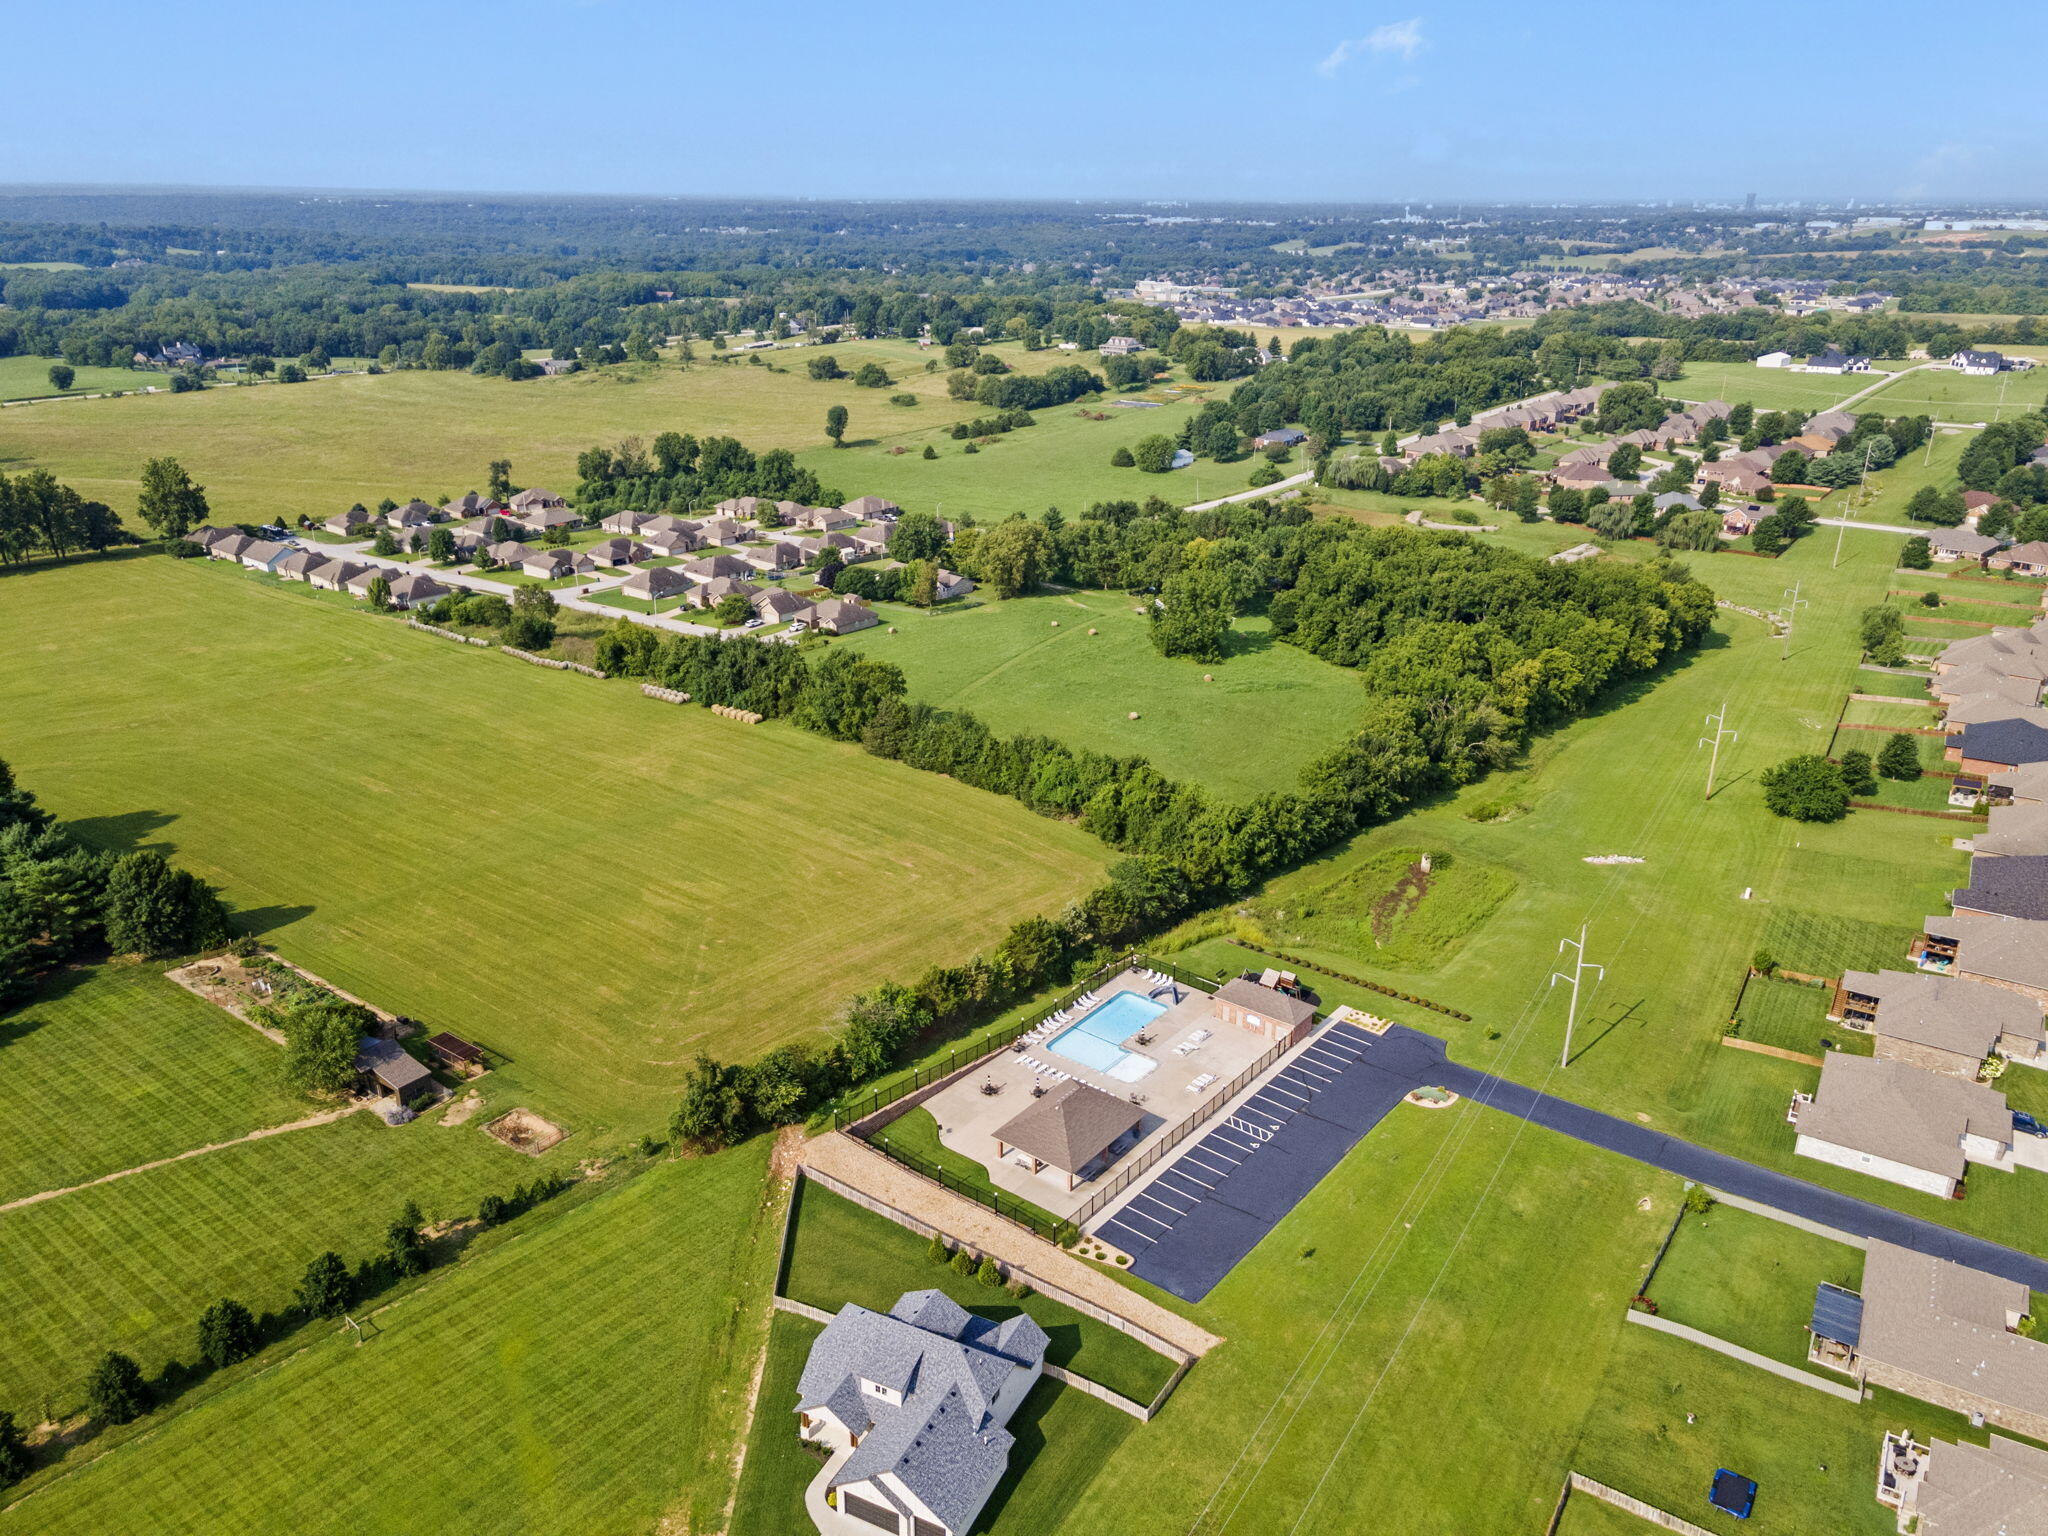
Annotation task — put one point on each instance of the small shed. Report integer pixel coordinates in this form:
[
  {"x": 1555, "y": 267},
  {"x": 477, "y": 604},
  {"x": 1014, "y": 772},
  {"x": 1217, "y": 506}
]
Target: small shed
[
  {"x": 384, "y": 1069},
  {"x": 457, "y": 1053}
]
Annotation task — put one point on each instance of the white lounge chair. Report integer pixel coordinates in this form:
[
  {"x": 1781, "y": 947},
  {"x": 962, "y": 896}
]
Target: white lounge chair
[{"x": 1201, "y": 1082}]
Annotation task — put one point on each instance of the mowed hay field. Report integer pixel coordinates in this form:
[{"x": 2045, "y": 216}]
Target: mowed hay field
[
  {"x": 1032, "y": 666},
  {"x": 1775, "y": 389},
  {"x": 592, "y": 884},
  {"x": 583, "y": 1376},
  {"x": 1947, "y": 395},
  {"x": 112, "y": 1066},
  {"x": 273, "y": 450}
]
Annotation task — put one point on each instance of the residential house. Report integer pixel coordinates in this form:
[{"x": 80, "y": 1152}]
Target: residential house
[
  {"x": 2029, "y": 559},
  {"x": 1122, "y": 346},
  {"x": 2004, "y": 885},
  {"x": 869, "y": 541},
  {"x": 1579, "y": 477},
  {"x": 263, "y": 554},
  {"x": 872, "y": 508},
  {"x": 537, "y": 499},
  {"x": 741, "y": 508},
  {"x": 776, "y": 606},
  {"x": 911, "y": 1406},
  {"x": 2020, "y": 654},
  {"x": 472, "y": 504},
  {"x": 776, "y": 555},
  {"x": 541, "y": 519},
  {"x": 1992, "y": 746},
  {"x": 618, "y": 552},
  {"x": 299, "y": 563},
  {"x": 718, "y": 589},
  {"x": 552, "y": 564},
  {"x": 1774, "y": 360},
  {"x": 509, "y": 552},
  {"x": 1942, "y": 1023},
  {"x": 837, "y": 616},
  {"x": 669, "y": 523},
  {"x": 1831, "y": 424},
  {"x": 1944, "y": 1333},
  {"x": 1979, "y": 362},
  {"x": 1280, "y": 437},
  {"x": 625, "y": 523},
  {"x": 416, "y": 589},
  {"x": 793, "y": 513},
  {"x": 1959, "y": 713},
  {"x": 1951, "y": 544},
  {"x": 2024, "y": 785},
  {"x": 1811, "y": 444},
  {"x": 229, "y": 546},
  {"x": 1977, "y": 680},
  {"x": 1959, "y": 1488},
  {"x": 672, "y": 543},
  {"x": 951, "y": 584},
  {"x": 1976, "y": 504},
  {"x": 2003, "y": 952},
  {"x": 1265, "y": 1011},
  {"x": 826, "y": 519},
  {"x": 1737, "y": 521},
  {"x": 336, "y": 575},
  {"x": 1458, "y": 440},
  {"x": 662, "y": 582},
  {"x": 204, "y": 537},
  {"x": 1894, "y": 1121},
  {"x": 384, "y": 1070},
  {"x": 414, "y": 514},
  {"x": 1834, "y": 360},
  {"x": 716, "y": 567},
  {"x": 1071, "y": 1134},
  {"x": 354, "y": 522},
  {"x": 359, "y": 584},
  {"x": 721, "y": 530}
]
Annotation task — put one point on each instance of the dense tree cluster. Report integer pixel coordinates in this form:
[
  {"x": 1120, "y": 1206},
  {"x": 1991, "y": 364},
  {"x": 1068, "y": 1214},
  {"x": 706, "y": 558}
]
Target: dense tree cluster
[
  {"x": 39, "y": 516},
  {"x": 60, "y": 899},
  {"x": 676, "y": 473},
  {"x": 1465, "y": 650}
]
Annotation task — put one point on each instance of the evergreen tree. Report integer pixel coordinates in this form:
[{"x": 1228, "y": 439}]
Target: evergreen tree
[
  {"x": 1856, "y": 775},
  {"x": 15, "y": 1459},
  {"x": 326, "y": 1290},
  {"x": 227, "y": 1333},
  {"x": 152, "y": 909},
  {"x": 1899, "y": 757}
]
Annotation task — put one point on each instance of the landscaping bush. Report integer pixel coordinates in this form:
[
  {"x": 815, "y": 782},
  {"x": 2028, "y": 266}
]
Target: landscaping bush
[
  {"x": 989, "y": 1273},
  {"x": 1856, "y": 774},
  {"x": 963, "y": 1263},
  {"x": 1806, "y": 788}
]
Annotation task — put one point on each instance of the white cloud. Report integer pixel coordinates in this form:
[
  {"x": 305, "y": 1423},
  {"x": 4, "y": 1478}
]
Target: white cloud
[{"x": 1401, "y": 38}]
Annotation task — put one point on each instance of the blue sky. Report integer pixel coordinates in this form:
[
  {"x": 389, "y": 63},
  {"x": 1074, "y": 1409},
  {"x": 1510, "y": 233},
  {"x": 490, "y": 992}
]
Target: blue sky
[{"x": 1291, "y": 100}]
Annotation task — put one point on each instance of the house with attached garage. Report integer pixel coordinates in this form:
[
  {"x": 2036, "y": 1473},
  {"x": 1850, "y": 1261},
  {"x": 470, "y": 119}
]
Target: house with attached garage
[
  {"x": 472, "y": 504},
  {"x": 416, "y": 589},
  {"x": 297, "y": 565},
  {"x": 552, "y": 564},
  {"x": 661, "y": 582},
  {"x": 1960, "y": 1488},
  {"x": 263, "y": 554},
  {"x": 718, "y": 589},
  {"x": 1952, "y": 544},
  {"x": 1979, "y": 362},
  {"x": 836, "y": 616},
  {"x": 537, "y": 499},
  {"x": 668, "y": 543},
  {"x": 368, "y": 576},
  {"x": 1942, "y": 1023},
  {"x": 1834, "y": 360},
  {"x": 1992, "y": 746},
  {"x": 618, "y": 552},
  {"x": 776, "y": 555},
  {"x": 911, "y": 1406},
  {"x": 718, "y": 567},
  {"x": 2006, "y": 952},
  {"x": 721, "y": 530},
  {"x": 1941, "y": 1332},
  {"x": 776, "y": 606},
  {"x": 870, "y": 508},
  {"x": 1892, "y": 1120},
  {"x": 2013, "y": 831},
  {"x": 869, "y": 541},
  {"x": 336, "y": 575},
  {"x": 626, "y": 523},
  {"x": 2029, "y": 559}
]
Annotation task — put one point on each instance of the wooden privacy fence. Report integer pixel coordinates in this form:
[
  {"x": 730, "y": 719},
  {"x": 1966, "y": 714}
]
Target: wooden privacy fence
[
  {"x": 549, "y": 661},
  {"x": 447, "y": 634},
  {"x": 666, "y": 695},
  {"x": 1578, "y": 1482}
]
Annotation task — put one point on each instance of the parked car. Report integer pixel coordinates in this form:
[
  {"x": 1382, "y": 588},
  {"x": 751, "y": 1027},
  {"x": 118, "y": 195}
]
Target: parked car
[{"x": 2027, "y": 1123}]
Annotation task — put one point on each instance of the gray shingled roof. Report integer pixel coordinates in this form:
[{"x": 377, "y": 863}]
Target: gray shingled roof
[
  {"x": 1265, "y": 1001},
  {"x": 2000, "y": 1489},
  {"x": 1946, "y": 1012},
  {"x": 1947, "y": 1323},
  {"x": 2007, "y": 949},
  {"x": 2011, "y": 741},
  {"x": 1899, "y": 1112},
  {"x": 2005, "y": 885}
]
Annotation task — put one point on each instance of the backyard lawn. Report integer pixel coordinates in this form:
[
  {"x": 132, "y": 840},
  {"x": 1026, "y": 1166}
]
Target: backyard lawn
[
  {"x": 587, "y": 1375},
  {"x": 1750, "y": 1280},
  {"x": 591, "y": 885},
  {"x": 111, "y": 1066},
  {"x": 1032, "y": 666},
  {"x": 839, "y": 1252}
]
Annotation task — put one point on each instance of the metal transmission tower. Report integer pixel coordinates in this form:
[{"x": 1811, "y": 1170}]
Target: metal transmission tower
[
  {"x": 1719, "y": 722},
  {"x": 1580, "y": 965}
]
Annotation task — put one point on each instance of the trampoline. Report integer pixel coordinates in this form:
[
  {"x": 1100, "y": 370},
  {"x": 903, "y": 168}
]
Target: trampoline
[{"x": 1732, "y": 1494}]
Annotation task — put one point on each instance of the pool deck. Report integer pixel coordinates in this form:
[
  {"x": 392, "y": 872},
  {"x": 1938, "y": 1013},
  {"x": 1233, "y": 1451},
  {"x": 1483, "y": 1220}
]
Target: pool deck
[{"x": 968, "y": 1117}]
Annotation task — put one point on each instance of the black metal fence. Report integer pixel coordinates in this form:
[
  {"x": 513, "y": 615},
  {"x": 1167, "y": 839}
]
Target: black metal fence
[
  {"x": 1141, "y": 1165},
  {"x": 1019, "y": 1211}
]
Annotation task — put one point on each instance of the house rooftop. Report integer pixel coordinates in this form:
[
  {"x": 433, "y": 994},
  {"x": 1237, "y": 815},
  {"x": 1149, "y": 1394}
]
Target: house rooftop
[
  {"x": 1948, "y": 1324},
  {"x": 2014, "y": 830},
  {"x": 1896, "y": 1111},
  {"x": 1946, "y": 1013},
  {"x": 2000, "y": 1489},
  {"x": 2013, "y": 950},
  {"x": 1267, "y": 1002},
  {"x": 387, "y": 1061},
  {"x": 2010, "y": 886}
]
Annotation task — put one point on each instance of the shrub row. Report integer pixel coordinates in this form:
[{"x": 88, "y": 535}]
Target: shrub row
[{"x": 1356, "y": 981}]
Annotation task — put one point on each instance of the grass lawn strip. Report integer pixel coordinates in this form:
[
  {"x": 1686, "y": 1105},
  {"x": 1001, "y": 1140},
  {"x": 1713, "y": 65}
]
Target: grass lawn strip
[
  {"x": 109, "y": 1067},
  {"x": 839, "y": 1253},
  {"x": 1750, "y": 1280}
]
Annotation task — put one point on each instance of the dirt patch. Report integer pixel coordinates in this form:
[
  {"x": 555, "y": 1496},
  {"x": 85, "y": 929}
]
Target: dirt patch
[
  {"x": 462, "y": 1110},
  {"x": 1404, "y": 898},
  {"x": 230, "y": 985},
  {"x": 524, "y": 1131}
]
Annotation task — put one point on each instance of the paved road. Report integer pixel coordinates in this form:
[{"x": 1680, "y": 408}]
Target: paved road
[
  {"x": 1850, "y": 522},
  {"x": 1717, "y": 1170},
  {"x": 1254, "y": 494}
]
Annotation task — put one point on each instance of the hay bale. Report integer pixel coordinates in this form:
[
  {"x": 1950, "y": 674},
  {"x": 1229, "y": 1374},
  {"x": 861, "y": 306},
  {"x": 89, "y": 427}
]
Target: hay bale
[
  {"x": 1055, "y": 623},
  {"x": 1208, "y": 677},
  {"x": 1133, "y": 715},
  {"x": 892, "y": 629},
  {"x": 1091, "y": 631}
]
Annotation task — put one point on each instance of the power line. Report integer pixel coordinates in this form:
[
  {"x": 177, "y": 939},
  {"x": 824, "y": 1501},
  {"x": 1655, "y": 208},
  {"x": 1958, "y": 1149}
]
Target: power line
[
  {"x": 1719, "y": 722},
  {"x": 1793, "y": 603},
  {"x": 1580, "y": 965}
]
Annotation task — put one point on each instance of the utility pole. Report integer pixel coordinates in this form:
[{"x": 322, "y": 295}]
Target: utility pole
[
  {"x": 1793, "y": 603},
  {"x": 1580, "y": 965},
  {"x": 1842, "y": 524},
  {"x": 1719, "y": 722}
]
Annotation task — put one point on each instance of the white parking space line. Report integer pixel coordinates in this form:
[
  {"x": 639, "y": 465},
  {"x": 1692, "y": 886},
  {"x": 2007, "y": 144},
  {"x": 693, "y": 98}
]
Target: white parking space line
[{"x": 1166, "y": 1225}]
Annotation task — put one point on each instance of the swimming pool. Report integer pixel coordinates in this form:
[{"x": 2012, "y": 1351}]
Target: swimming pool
[{"x": 1094, "y": 1040}]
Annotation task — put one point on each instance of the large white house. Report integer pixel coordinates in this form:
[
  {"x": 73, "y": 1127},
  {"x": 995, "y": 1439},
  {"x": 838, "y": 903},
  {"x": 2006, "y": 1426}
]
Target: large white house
[{"x": 912, "y": 1404}]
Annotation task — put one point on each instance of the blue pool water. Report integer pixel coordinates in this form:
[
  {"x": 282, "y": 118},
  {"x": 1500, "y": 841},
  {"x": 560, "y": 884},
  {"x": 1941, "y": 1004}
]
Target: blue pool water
[{"x": 1094, "y": 1039}]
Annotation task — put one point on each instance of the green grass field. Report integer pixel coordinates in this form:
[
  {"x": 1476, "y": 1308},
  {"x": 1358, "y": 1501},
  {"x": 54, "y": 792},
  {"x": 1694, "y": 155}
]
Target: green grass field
[
  {"x": 1950, "y": 396},
  {"x": 1750, "y": 1280},
  {"x": 1794, "y": 1016},
  {"x": 1270, "y": 709},
  {"x": 840, "y": 1253},
  {"x": 1773, "y": 389},
  {"x": 266, "y": 452},
  {"x": 109, "y": 1067},
  {"x": 130, "y": 1265},
  {"x": 24, "y": 378},
  {"x": 916, "y": 1134},
  {"x": 585, "y": 1376},
  {"x": 593, "y": 885}
]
